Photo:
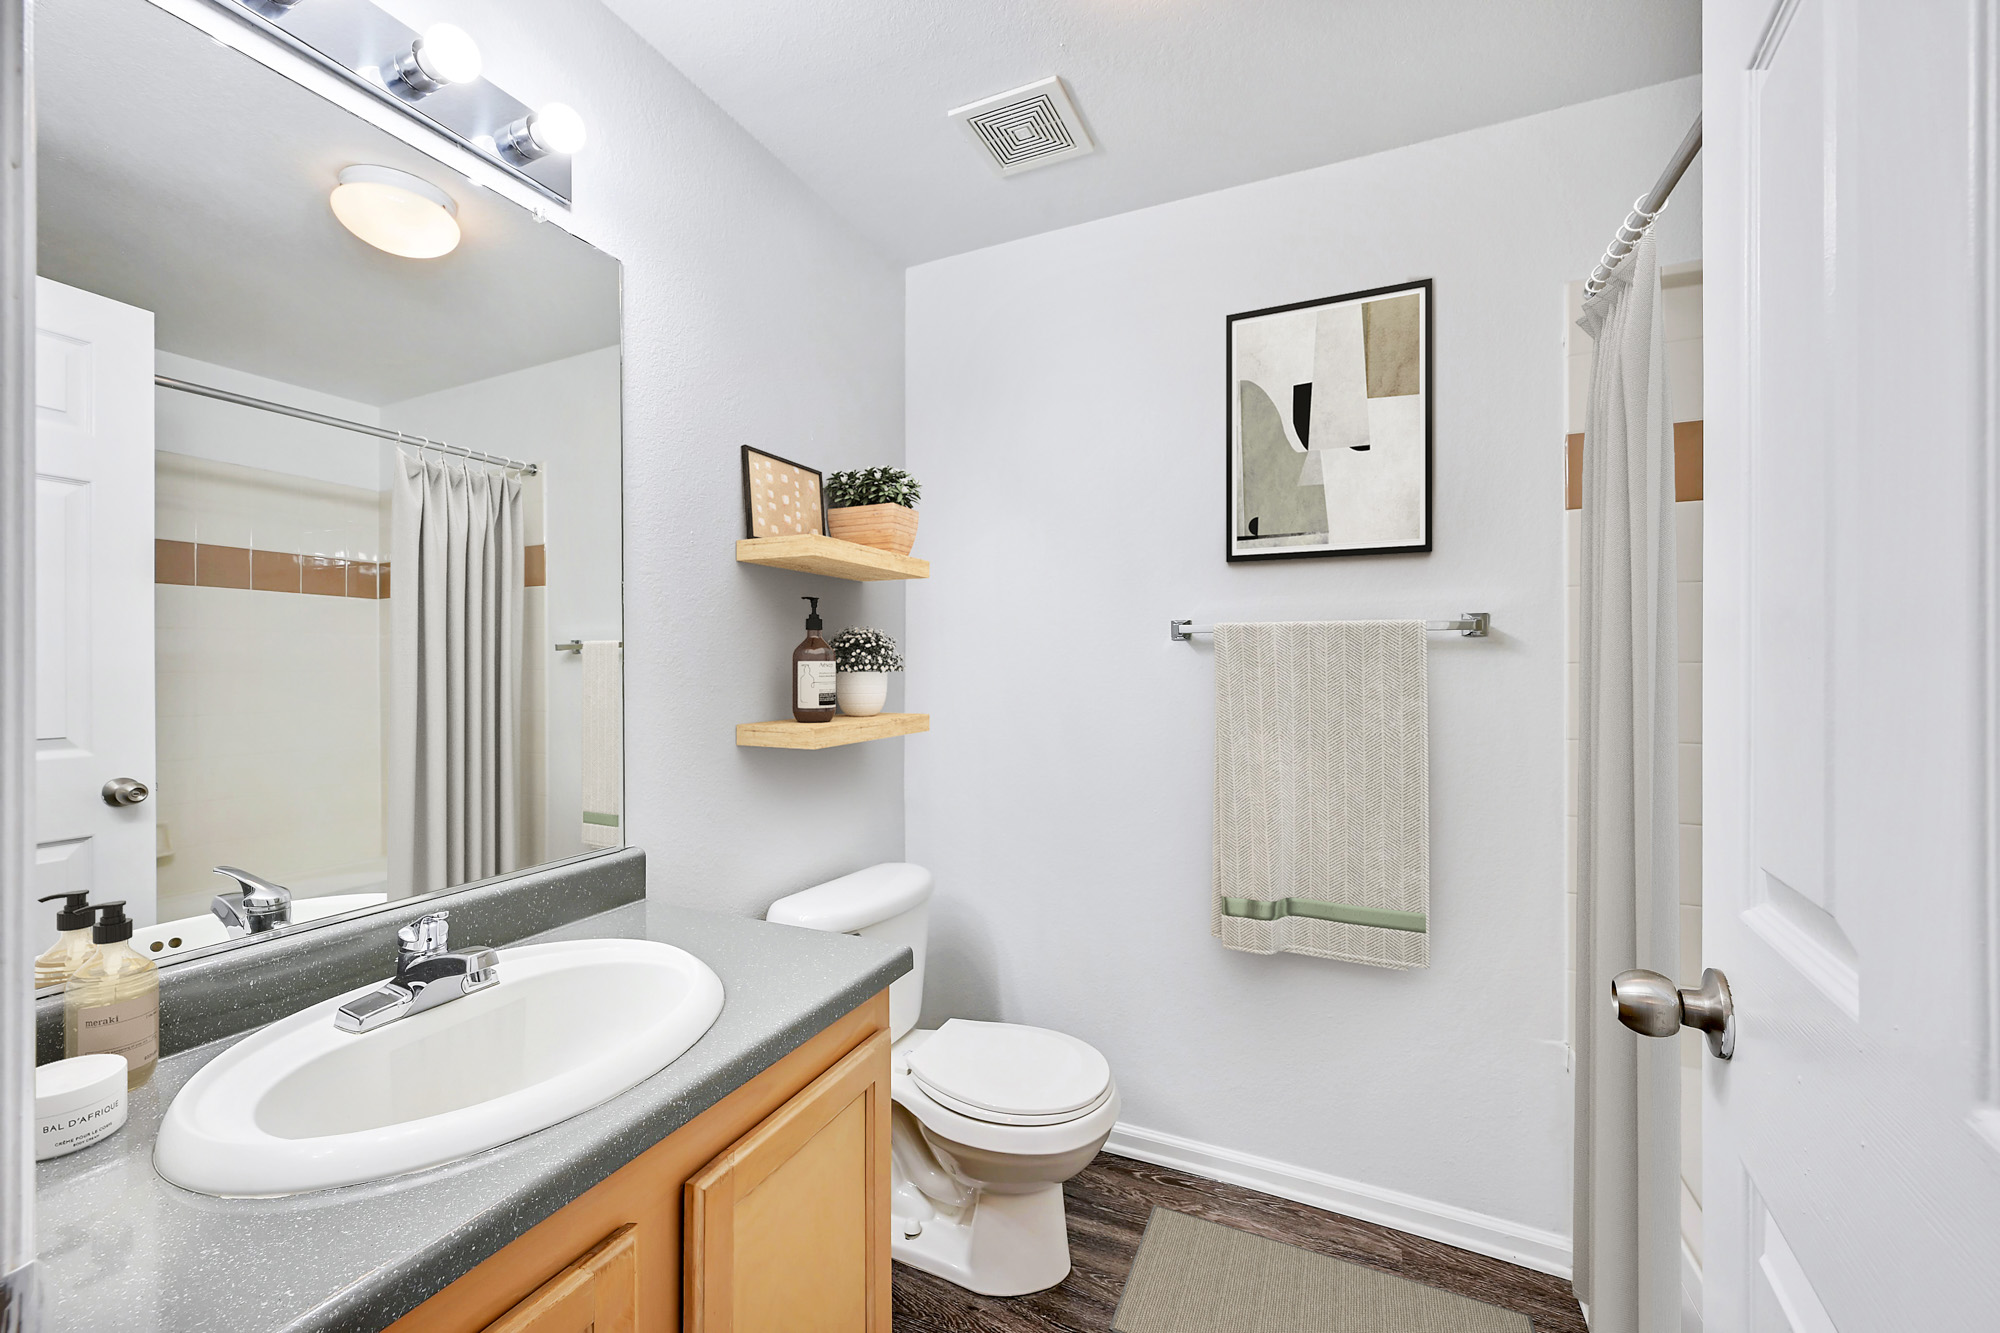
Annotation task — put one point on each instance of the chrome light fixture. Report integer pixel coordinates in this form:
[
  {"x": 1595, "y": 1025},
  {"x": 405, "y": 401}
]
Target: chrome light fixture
[
  {"x": 396, "y": 212},
  {"x": 444, "y": 54},
  {"x": 556, "y": 128}
]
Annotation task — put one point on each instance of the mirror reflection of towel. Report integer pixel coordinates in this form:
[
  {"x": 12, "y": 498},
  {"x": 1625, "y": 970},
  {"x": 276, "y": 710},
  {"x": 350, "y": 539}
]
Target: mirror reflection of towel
[{"x": 603, "y": 762}]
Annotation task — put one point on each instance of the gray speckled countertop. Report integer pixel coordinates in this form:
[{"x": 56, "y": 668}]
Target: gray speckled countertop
[{"x": 123, "y": 1249}]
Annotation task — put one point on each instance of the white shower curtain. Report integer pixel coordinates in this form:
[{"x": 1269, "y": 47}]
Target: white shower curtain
[
  {"x": 1627, "y": 1184},
  {"x": 455, "y": 676}
]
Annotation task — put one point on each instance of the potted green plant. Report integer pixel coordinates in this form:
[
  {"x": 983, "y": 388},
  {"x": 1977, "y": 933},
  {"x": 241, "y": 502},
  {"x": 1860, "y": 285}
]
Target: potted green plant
[
  {"x": 874, "y": 506},
  {"x": 862, "y": 661}
]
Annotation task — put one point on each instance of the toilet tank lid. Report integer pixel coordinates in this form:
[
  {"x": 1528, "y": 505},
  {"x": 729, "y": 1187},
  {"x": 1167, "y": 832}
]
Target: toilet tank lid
[{"x": 857, "y": 901}]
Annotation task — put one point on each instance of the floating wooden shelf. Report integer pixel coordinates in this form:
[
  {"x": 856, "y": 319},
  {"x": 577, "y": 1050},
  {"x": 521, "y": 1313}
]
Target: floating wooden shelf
[
  {"x": 810, "y": 553},
  {"x": 788, "y": 735}
]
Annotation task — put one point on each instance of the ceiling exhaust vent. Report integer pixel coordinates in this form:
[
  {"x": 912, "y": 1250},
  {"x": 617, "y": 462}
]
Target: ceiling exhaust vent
[{"x": 1027, "y": 128}]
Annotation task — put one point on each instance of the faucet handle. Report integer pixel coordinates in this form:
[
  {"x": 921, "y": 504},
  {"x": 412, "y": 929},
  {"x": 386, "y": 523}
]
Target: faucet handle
[{"x": 425, "y": 936}]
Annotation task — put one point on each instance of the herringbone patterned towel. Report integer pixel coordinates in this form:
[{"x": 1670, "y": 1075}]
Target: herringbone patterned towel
[{"x": 1322, "y": 802}]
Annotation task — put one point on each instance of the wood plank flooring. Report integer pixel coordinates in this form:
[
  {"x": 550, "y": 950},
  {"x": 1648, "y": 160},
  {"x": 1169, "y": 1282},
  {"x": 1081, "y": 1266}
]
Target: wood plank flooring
[{"x": 1108, "y": 1204}]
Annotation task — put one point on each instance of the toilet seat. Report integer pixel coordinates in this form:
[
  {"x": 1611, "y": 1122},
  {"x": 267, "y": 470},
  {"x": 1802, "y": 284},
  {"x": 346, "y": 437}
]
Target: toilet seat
[
  {"x": 983, "y": 1131},
  {"x": 1011, "y": 1074}
]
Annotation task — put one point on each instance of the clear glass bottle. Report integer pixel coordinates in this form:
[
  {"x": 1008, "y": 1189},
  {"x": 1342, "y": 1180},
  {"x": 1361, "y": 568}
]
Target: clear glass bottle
[
  {"x": 73, "y": 948},
  {"x": 112, "y": 1003}
]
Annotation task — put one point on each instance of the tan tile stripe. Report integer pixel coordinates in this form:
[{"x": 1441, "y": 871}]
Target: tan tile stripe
[
  {"x": 1687, "y": 464},
  {"x": 206, "y": 565}
]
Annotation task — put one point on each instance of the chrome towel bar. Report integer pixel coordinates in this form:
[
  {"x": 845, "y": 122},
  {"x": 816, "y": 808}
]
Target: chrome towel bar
[{"x": 1471, "y": 624}]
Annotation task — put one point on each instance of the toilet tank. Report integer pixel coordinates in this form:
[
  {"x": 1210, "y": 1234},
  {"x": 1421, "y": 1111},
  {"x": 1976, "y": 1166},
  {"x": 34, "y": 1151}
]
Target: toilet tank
[{"x": 888, "y": 902}]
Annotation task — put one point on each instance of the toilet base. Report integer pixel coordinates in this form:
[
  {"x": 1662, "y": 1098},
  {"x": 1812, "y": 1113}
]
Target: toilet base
[{"x": 998, "y": 1245}]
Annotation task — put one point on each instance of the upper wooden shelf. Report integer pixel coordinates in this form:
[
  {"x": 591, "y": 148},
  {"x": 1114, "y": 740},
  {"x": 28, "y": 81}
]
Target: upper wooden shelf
[
  {"x": 841, "y": 730},
  {"x": 810, "y": 553}
]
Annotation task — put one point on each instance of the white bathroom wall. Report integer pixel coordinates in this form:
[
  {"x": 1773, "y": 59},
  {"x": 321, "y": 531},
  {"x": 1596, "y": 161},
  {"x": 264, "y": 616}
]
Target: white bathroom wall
[
  {"x": 1066, "y": 413},
  {"x": 752, "y": 315},
  {"x": 564, "y": 417}
]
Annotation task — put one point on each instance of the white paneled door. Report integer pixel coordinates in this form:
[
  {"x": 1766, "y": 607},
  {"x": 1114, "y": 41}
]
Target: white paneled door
[
  {"x": 93, "y": 596},
  {"x": 1851, "y": 1152}
]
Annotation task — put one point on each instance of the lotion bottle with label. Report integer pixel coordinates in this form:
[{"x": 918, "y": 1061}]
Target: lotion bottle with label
[
  {"x": 812, "y": 672},
  {"x": 112, "y": 1004}
]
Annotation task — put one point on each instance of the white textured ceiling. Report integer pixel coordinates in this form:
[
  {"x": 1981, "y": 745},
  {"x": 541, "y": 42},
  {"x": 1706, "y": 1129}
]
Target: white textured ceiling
[
  {"x": 1183, "y": 96},
  {"x": 182, "y": 177}
]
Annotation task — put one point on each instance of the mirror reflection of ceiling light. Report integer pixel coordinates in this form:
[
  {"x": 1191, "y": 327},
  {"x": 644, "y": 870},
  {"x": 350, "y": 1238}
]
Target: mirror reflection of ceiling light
[
  {"x": 444, "y": 54},
  {"x": 556, "y": 128},
  {"x": 394, "y": 211}
]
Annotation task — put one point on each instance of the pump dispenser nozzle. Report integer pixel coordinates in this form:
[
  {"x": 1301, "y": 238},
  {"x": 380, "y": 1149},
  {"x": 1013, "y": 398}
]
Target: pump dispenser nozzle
[
  {"x": 812, "y": 617},
  {"x": 75, "y": 914},
  {"x": 112, "y": 923}
]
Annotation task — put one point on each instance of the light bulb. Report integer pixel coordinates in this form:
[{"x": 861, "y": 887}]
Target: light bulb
[
  {"x": 444, "y": 54},
  {"x": 556, "y": 128},
  {"x": 448, "y": 54}
]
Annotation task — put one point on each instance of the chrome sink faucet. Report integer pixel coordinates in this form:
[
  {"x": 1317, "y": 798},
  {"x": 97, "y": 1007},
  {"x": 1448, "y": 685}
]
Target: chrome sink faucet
[
  {"x": 427, "y": 975},
  {"x": 257, "y": 906}
]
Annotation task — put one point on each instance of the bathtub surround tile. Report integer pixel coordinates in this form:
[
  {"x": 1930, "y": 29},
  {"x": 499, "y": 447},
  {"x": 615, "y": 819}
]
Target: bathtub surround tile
[
  {"x": 1690, "y": 700},
  {"x": 274, "y": 571},
  {"x": 323, "y": 576},
  {"x": 173, "y": 561},
  {"x": 535, "y": 565},
  {"x": 363, "y": 578},
  {"x": 1691, "y": 865},
  {"x": 1687, "y": 540},
  {"x": 221, "y": 566},
  {"x": 1690, "y": 784}
]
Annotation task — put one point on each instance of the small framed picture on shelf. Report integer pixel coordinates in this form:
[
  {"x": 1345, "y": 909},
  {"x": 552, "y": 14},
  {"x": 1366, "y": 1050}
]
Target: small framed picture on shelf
[{"x": 781, "y": 498}]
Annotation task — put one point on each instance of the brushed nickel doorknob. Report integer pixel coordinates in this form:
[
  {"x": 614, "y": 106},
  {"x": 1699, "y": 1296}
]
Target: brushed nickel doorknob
[
  {"x": 1652, "y": 1006},
  {"x": 125, "y": 791}
]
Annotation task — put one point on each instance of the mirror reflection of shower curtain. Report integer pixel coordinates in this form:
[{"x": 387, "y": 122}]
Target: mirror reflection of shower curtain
[{"x": 454, "y": 744}]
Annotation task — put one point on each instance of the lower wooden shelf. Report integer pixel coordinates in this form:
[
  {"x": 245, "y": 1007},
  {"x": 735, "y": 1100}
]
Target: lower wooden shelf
[{"x": 788, "y": 735}]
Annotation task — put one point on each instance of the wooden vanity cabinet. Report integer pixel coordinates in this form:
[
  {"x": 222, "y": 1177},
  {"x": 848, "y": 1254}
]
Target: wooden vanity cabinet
[{"x": 768, "y": 1211}]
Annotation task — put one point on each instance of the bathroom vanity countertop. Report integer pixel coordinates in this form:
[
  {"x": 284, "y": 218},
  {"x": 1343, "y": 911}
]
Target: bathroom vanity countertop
[{"x": 122, "y": 1248}]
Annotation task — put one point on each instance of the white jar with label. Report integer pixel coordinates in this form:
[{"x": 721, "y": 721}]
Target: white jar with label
[{"x": 78, "y": 1102}]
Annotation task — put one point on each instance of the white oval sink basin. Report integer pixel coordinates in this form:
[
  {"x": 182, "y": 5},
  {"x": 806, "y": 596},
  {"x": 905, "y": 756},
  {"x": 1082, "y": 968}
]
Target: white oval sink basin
[{"x": 301, "y": 1105}]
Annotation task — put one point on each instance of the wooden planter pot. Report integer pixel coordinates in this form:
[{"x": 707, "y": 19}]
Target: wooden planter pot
[{"x": 884, "y": 527}]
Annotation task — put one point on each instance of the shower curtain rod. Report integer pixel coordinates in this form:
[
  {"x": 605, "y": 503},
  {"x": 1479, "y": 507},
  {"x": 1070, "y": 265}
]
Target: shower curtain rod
[
  {"x": 396, "y": 436},
  {"x": 1644, "y": 211}
]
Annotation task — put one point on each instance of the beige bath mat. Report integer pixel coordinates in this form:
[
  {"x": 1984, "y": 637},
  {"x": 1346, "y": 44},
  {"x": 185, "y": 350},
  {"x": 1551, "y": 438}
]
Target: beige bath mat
[{"x": 1193, "y": 1276}]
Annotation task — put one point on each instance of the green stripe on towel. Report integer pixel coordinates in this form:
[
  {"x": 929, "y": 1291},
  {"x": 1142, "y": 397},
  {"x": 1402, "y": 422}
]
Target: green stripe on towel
[
  {"x": 1256, "y": 909},
  {"x": 592, "y": 817}
]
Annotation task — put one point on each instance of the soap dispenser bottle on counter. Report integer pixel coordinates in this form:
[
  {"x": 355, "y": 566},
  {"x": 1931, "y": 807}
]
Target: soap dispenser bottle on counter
[
  {"x": 112, "y": 1004},
  {"x": 73, "y": 948},
  {"x": 812, "y": 672}
]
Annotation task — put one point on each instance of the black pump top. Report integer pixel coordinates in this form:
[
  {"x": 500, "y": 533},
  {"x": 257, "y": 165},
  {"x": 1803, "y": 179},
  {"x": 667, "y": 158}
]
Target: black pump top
[
  {"x": 113, "y": 925},
  {"x": 812, "y": 619},
  {"x": 74, "y": 914}
]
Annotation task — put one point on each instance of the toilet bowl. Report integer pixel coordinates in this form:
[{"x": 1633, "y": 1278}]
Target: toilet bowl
[{"x": 988, "y": 1119}]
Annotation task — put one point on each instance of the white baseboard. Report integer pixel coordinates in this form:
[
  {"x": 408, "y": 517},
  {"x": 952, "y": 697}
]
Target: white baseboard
[{"x": 1530, "y": 1247}]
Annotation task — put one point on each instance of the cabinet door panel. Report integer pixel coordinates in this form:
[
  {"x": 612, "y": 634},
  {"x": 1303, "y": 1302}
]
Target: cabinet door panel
[
  {"x": 788, "y": 1231},
  {"x": 599, "y": 1293}
]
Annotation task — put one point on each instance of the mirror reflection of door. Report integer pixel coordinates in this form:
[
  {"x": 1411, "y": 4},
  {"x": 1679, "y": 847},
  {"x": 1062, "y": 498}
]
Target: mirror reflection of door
[
  {"x": 274, "y": 558},
  {"x": 93, "y": 595}
]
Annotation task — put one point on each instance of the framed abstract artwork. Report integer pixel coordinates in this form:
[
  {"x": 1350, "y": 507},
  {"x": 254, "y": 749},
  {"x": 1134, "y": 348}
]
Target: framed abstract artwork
[
  {"x": 781, "y": 498},
  {"x": 1329, "y": 449}
]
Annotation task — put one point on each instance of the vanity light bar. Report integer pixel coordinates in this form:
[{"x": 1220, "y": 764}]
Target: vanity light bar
[{"x": 432, "y": 77}]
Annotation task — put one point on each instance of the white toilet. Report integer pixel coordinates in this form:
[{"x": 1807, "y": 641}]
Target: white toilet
[{"x": 989, "y": 1118}]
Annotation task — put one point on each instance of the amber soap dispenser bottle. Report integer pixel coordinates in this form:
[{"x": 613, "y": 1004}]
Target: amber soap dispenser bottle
[{"x": 812, "y": 672}]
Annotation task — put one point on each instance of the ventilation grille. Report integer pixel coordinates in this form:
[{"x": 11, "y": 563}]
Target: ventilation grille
[{"x": 1027, "y": 128}]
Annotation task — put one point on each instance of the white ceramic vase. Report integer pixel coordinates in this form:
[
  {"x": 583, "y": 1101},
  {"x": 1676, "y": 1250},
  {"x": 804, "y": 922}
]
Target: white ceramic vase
[{"x": 861, "y": 693}]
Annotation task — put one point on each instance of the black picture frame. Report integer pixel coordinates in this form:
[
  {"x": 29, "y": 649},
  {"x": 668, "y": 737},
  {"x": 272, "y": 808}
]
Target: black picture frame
[
  {"x": 749, "y": 519},
  {"x": 1231, "y": 408}
]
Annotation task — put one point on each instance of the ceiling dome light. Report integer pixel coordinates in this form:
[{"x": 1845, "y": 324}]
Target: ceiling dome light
[
  {"x": 444, "y": 54},
  {"x": 556, "y": 128},
  {"x": 397, "y": 212}
]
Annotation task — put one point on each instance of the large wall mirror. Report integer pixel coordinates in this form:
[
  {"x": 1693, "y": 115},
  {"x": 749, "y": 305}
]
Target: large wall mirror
[{"x": 329, "y": 584}]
